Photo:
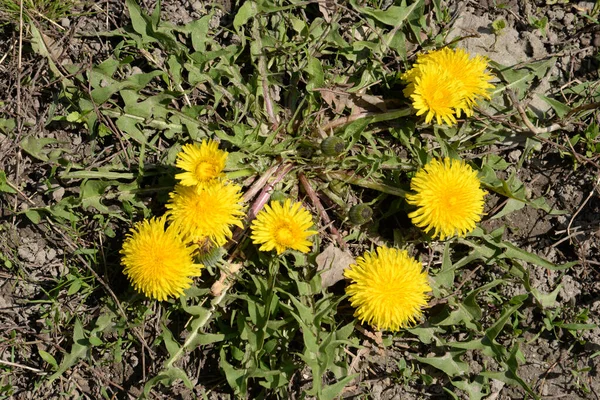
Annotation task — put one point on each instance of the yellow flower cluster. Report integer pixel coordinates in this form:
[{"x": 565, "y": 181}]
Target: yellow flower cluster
[
  {"x": 446, "y": 83},
  {"x": 201, "y": 212},
  {"x": 202, "y": 209},
  {"x": 387, "y": 287}
]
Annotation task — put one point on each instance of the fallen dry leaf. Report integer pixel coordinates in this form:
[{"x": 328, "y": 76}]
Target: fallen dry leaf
[{"x": 333, "y": 261}]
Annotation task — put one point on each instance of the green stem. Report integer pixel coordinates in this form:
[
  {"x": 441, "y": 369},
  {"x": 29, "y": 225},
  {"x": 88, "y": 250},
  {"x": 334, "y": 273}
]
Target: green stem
[
  {"x": 373, "y": 117},
  {"x": 214, "y": 304},
  {"x": 362, "y": 182}
]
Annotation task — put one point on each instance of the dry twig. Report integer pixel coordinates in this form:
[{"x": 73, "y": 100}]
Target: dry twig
[{"x": 321, "y": 210}]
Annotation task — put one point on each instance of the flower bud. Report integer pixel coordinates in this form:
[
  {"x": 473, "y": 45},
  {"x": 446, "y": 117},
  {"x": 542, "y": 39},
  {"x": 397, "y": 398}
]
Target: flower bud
[
  {"x": 360, "y": 214},
  {"x": 210, "y": 257},
  {"x": 333, "y": 146},
  {"x": 278, "y": 195}
]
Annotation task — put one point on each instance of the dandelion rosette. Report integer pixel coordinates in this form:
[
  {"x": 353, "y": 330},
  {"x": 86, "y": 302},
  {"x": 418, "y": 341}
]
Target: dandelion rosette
[
  {"x": 445, "y": 83},
  {"x": 202, "y": 163},
  {"x": 448, "y": 197},
  {"x": 283, "y": 226},
  {"x": 388, "y": 289},
  {"x": 206, "y": 212},
  {"x": 157, "y": 261}
]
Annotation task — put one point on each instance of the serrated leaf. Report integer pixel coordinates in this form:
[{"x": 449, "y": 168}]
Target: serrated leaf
[
  {"x": 199, "y": 32},
  {"x": 92, "y": 192},
  {"x": 235, "y": 377},
  {"x": 546, "y": 300},
  {"x": 78, "y": 350},
  {"x": 493, "y": 331},
  {"x": 510, "y": 378},
  {"x": 449, "y": 363},
  {"x": 4, "y": 187},
  {"x": 330, "y": 392},
  {"x": 170, "y": 343},
  {"x": 129, "y": 126},
  {"x": 35, "y": 146},
  {"x": 167, "y": 377},
  {"x": 394, "y": 16},
  {"x": 474, "y": 389},
  {"x": 511, "y": 205}
]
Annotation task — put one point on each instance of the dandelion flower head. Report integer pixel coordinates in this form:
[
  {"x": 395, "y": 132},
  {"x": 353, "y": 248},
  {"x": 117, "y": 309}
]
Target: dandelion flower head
[
  {"x": 388, "y": 288},
  {"x": 157, "y": 261},
  {"x": 283, "y": 226},
  {"x": 448, "y": 197},
  {"x": 444, "y": 71},
  {"x": 202, "y": 163},
  {"x": 206, "y": 212}
]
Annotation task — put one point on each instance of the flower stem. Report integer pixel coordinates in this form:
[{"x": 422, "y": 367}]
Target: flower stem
[
  {"x": 373, "y": 116},
  {"x": 362, "y": 182}
]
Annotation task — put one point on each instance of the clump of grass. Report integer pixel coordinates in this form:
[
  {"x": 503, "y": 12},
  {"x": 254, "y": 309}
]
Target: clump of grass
[{"x": 46, "y": 11}]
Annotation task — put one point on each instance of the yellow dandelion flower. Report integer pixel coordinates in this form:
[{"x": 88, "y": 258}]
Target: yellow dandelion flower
[
  {"x": 206, "y": 212},
  {"x": 448, "y": 196},
  {"x": 157, "y": 262},
  {"x": 388, "y": 288},
  {"x": 435, "y": 93},
  {"x": 283, "y": 226},
  {"x": 202, "y": 163},
  {"x": 440, "y": 72}
]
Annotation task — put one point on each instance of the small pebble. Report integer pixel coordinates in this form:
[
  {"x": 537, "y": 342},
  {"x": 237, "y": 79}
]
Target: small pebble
[
  {"x": 65, "y": 22},
  {"x": 585, "y": 40},
  {"x": 198, "y": 6},
  {"x": 514, "y": 155},
  {"x": 596, "y": 41},
  {"x": 50, "y": 254}
]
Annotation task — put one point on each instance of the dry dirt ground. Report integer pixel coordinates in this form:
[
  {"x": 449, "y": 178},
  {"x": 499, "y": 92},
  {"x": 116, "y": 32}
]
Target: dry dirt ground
[{"x": 34, "y": 257}]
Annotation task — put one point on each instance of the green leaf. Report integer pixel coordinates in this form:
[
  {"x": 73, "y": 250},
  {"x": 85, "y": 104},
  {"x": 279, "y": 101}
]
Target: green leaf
[
  {"x": 559, "y": 108},
  {"x": 330, "y": 392},
  {"x": 48, "y": 358},
  {"x": 170, "y": 342},
  {"x": 450, "y": 363},
  {"x": 139, "y": 21},
  {"x": 546, "y": 300},
  {"x": 78, "y": 350},
  {"x": 474, "y": 389},
  {"x": 35, "y": 146},
  {"x": 493, "y": 331},
  {"x": 167, "y": 377},
  {"x": 129, "y": 126},
  {"x": 510, "y": 206},
  {"x": 91, "y": 193},
  {"x": 4, "y": 186},
  {"x": 247, "y": 11},
  {"x": 510, "y": 378},
  {"x": 97, "y": 175},
  {"x": 235, "y": 377},
  {"x": 576, "y": 327},
  {"x": 199, "y": 32},
  {"x": 34, "y": 216},
  {"x": 394, "y": 16}
]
